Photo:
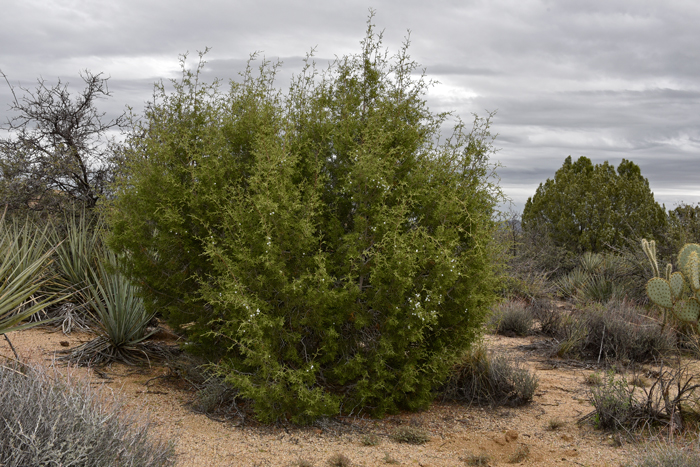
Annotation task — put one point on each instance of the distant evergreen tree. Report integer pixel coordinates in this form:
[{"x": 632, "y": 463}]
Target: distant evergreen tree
[{"x": 587, "y": 207}]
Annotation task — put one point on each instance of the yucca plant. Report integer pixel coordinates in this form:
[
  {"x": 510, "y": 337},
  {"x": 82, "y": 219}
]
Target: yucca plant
[
  {"x": 23, "y": 276},
  {"x": 79, "y": 250},
  {"x": 120, "y": 316}
]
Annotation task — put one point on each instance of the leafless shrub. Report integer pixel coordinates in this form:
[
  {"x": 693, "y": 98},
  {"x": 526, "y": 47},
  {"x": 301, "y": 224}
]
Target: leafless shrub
[{"x": 669, "y": 399}]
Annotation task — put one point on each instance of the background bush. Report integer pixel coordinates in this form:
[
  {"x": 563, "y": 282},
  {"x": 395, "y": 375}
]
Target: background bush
[
  {"x": 613, "y": 332},
  {"x": 511, "y": 318},
  {"x": 326, "y": 252}
]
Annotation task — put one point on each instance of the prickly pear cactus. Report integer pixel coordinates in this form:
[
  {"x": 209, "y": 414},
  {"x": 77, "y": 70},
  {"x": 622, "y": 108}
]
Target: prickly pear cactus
[
  {"x": 679, "y": 292},
  {"x": 659, "y": 292}
]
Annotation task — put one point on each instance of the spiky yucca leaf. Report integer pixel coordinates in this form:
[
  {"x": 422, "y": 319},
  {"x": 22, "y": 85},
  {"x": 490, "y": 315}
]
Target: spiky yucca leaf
[
  {"x": 80, "y": 250},
  {"x": 23, "y": 274},
  {"x": 120, "y": 315}
]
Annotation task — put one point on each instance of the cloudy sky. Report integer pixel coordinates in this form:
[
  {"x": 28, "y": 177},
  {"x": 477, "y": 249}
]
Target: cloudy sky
[{"x": 605, "y": 79}]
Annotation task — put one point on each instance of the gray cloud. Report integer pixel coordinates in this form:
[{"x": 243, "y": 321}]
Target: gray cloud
[{"x": 606, "y": 79}]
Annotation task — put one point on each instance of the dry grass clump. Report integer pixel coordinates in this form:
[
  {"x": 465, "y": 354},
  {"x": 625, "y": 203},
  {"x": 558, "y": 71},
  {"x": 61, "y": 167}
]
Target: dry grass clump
[
  {"x": 485, "y": 379},
  {"x": 593, "y": 379},
  {"x": 371, "y": 440},
  {"x": 388, "y": 459},
  {"x": 512, "y": 318},
  {"x": 45, "y": 420},
  {"x": 301, "y": 463},
  {"x": 614, "y": 332},
  {"x": 339, "y": 460},
  {"x": 410, "y": 435},
  {"x": 519, "y": 455},
  {"x": 476, "y": 459},
  {"x": 668, "y": 455},
  {"x": 554, "y": 424}
]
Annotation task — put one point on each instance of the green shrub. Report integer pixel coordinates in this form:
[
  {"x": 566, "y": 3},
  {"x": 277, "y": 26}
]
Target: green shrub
[
  {"x": 47, "y": 421},
  {"x": 322, "y": 246},
  {"x": 481, "y": 378}
]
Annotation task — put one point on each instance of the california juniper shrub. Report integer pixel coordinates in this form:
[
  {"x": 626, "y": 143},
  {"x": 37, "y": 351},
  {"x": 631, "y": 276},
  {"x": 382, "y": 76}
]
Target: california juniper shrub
[{"x": 329, "y": 252}]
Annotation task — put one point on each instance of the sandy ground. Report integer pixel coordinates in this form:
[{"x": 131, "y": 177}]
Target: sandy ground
[{"x": 458, "y": 433}]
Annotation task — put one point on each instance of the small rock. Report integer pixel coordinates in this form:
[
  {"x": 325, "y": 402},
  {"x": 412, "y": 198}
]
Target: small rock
[
  {"x": 64, "y": 344},
  {"x": 511, "y": 435}
]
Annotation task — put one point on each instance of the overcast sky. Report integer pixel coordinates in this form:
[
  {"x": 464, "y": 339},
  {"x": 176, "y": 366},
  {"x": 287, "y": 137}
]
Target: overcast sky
[{"x": 605, "y": 79}]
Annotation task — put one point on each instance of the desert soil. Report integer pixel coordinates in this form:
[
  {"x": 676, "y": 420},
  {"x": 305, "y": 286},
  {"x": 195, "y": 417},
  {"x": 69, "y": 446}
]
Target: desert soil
[{"x": 458, "y": 433}]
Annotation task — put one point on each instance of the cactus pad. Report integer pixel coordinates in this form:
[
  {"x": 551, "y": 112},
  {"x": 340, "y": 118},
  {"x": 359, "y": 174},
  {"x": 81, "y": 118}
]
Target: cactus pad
[
  {"x": 687, "y": 310},
  {"x": 684, "y": 255},
  {"x": 659, "y": 292},
  {"x": 693, "y": 266},
  {"x": 677, "y": 282}
]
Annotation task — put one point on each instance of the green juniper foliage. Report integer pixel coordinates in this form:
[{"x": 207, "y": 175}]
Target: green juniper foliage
[
  {"x": 326, "y": 250},
  {"x": 587, "y": 207}
]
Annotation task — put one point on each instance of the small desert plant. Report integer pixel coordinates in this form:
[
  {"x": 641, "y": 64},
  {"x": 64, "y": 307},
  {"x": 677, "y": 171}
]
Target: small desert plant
[
  {"x": 388, "y": 459},
  {"x": 549, "y": 317},
  {"x": 120, "y": 316},
  {"x": 615, "y": 405},
  {"x": 47, "y": 420},
  {"x": 410, "y": 435},
  {"x": 301, "y": 463},
  {"x": 668, "y": 456},
  {"x": 476, "y": 459},
  {"x": 593, "y": 379},
  {"x": 616, "y": 331},
  {"x": 371, "y": 439},
  {"x": 569, "y": 284},
  {"x": 485, "y": 379},
  {"x": 554, "y": 424},
  {"x": 669, "y": 399},
  {"x": 520, "y": 454},
  {"x": 339, "y": 460},
  {"x": 512, "y": 318},
  {"x": 639, "y": 381},
  {"x": 215, "y": 396}
]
